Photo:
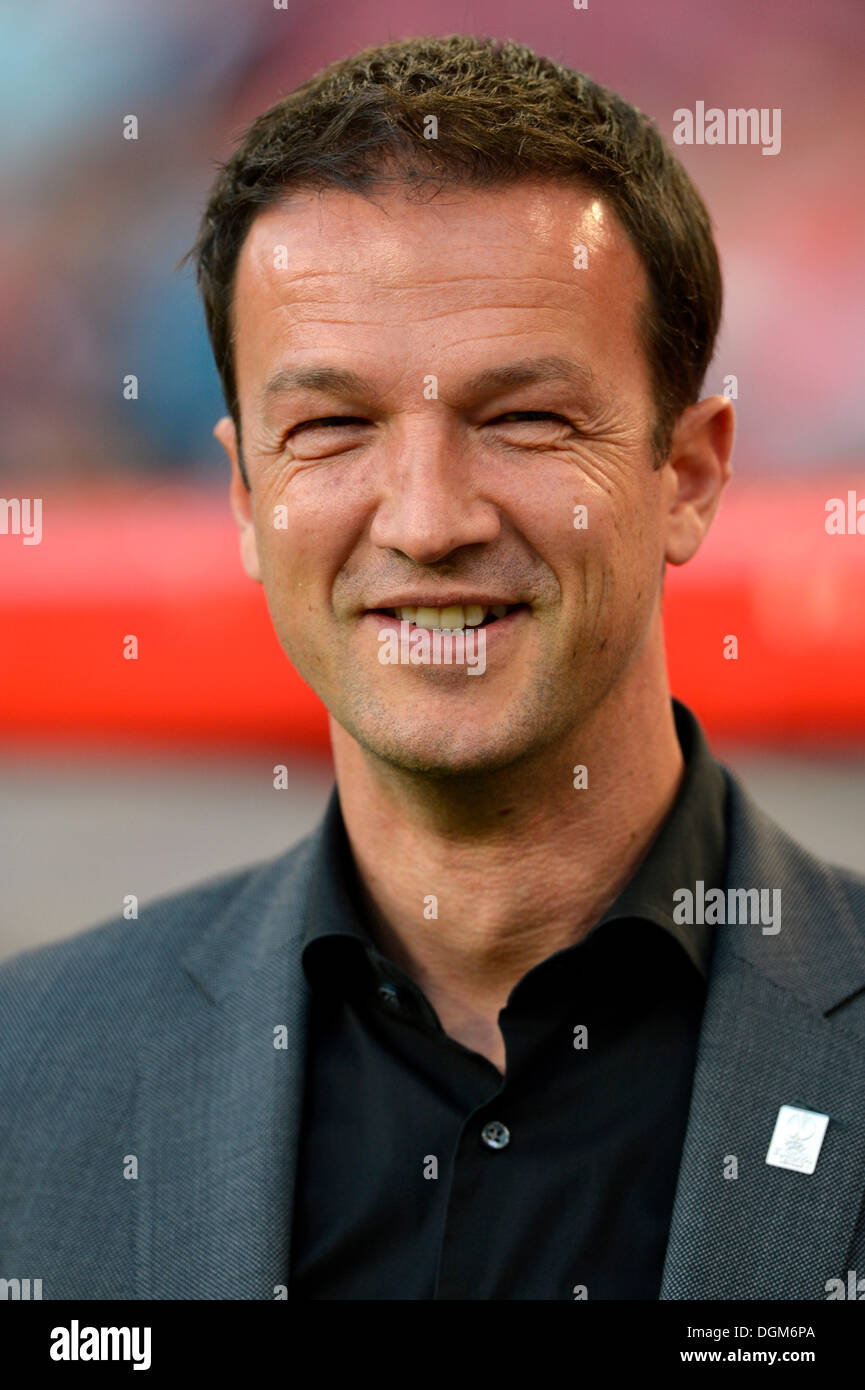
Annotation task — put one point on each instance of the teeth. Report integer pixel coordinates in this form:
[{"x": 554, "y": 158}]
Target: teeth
[
  {"x": 428, "y": 617},
  {"x": 452, "y": 617},
  {"x": 455, "y": 616}
]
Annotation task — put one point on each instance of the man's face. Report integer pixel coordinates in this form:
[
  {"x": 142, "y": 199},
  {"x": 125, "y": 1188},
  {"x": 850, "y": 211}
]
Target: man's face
[{"x": 437, "y": 478}]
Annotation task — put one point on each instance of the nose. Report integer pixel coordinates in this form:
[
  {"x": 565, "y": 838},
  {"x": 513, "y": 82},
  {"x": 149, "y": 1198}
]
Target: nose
[{"x": 430, "y": 504}]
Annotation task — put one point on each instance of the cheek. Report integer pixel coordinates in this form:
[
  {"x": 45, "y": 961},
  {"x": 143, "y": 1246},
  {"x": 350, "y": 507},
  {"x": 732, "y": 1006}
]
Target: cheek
[
  {"x": 289, "y": 574},
  {"x": 587, "y": 505},
  {"x": 308, "y": 518},
  {"x": 635, "y": 528},
  {"x": 295, "y": 540},
  {"x": 608, "y": 566}
]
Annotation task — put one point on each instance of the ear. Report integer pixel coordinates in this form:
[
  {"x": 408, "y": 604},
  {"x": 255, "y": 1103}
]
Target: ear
[
  {"x": 697, "y": 470},
  {"x": 240, "y": 497}
]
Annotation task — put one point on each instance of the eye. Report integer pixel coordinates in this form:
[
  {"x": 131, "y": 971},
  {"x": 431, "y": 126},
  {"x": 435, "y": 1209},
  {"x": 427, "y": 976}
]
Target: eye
[
  {"x": 530, "y": 416},
  {"x": 327, "y": 420}
]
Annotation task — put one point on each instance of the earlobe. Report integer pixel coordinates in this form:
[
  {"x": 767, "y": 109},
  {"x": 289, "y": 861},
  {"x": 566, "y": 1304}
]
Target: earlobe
[
  {"x": 240, "y": 498},
  {"x": 699, "y": 461}
]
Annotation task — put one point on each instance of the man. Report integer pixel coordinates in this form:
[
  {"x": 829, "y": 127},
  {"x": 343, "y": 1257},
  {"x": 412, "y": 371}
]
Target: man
[{"x": 520, "y": 1018}]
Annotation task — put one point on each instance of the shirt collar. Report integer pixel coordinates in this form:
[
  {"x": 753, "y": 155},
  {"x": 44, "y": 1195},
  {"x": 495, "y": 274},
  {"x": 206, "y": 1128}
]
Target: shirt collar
[{"x": 691, "y": 844}]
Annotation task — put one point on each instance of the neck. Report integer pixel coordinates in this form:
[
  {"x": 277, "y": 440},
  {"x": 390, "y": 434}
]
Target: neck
[{"x": 468, "y": 883}]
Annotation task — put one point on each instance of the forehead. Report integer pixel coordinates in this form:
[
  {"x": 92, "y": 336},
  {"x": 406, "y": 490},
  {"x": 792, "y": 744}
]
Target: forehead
[{"x": 462, "y": 276}]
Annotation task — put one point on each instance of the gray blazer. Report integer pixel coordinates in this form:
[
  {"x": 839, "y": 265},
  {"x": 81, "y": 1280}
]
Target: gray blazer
[{"x": 147, "y": 1047}]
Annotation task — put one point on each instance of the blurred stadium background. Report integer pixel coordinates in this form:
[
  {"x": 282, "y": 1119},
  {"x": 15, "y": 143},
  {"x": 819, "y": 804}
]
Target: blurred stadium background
[{"x": 139, "y": 777}]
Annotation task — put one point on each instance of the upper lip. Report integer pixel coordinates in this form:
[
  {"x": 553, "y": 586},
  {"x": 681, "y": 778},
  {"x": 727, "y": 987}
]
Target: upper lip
[{"x": 442, "y": 601}]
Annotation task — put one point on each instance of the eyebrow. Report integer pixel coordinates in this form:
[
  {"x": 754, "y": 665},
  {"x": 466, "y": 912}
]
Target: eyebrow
[{"x": 340, "y": 380}]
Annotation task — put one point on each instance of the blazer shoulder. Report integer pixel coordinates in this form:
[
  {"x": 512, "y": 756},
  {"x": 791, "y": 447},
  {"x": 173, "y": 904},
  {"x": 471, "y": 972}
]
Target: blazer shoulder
[
  {"x": 777, "y": 848},
  {"x": 115, "y": 967},
  {"x": 819, "y": 952},
  {"x": 850, "y": 879}
]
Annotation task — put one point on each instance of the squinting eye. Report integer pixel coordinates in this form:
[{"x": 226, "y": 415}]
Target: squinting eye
[
  {"x": 530, "y": 415},
  {"x": 329, "y": 420}
]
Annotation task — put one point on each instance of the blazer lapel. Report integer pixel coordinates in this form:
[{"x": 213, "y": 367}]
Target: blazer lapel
[
  {"x": 769, "y": 1039},
  {"x": 220, "y": 1107}
]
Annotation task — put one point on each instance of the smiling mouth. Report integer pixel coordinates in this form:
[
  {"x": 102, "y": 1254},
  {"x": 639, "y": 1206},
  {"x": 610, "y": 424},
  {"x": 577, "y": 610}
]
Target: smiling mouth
[{"x": 454, "y": 617}]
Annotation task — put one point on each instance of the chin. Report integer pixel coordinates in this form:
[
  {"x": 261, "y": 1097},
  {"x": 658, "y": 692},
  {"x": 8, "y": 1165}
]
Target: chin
[{"x": 444, "y": 751}]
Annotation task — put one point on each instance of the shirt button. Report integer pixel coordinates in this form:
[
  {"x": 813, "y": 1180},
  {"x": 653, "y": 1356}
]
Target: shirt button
[
  {"x": 389, "y": 995},
  {"x": 496, "y": 1135}
]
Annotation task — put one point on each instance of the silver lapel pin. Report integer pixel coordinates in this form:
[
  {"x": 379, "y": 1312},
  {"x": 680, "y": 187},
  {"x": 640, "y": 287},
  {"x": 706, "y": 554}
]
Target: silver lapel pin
[{"x": 797, "y": 1139}]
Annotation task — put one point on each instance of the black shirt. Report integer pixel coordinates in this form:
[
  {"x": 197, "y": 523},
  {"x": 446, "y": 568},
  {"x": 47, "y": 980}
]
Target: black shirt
[{"x": 426, "y": 1173}]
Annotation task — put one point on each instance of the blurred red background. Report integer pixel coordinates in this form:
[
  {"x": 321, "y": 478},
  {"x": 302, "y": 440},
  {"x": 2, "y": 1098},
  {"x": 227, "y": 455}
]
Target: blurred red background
[{"x": 163, "y": 564}]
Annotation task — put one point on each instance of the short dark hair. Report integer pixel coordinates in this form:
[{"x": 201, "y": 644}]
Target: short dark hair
[{"x": 505, "y": 114}]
